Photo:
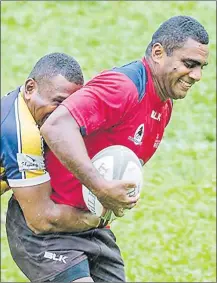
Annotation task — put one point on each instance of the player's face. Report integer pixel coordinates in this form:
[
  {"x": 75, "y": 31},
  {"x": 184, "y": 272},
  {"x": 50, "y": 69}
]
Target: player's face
[
  {"x": 44, "y": 99},
  {"x": 183, "y": 68}
]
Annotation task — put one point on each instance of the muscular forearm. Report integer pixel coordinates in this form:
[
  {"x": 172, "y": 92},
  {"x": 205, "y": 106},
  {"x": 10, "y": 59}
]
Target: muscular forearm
[
  {"x": 62, "y": 218},
  {"x": 44, "y": 216}
]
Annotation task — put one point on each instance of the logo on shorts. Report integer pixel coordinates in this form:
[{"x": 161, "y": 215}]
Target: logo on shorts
[
  {"x": 53, "y": 256},
  {"x": 138, "y": 136},
  {"x": 30, "y": 162}
]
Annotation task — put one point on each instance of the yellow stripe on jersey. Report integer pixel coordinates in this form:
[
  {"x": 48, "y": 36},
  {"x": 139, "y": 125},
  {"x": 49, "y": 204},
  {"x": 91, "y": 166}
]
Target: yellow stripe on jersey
[
  {"x": 4, "y": 187},
  {"x": 31, "y": 142}
]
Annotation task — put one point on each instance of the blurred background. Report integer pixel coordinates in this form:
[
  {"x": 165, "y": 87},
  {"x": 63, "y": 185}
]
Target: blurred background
[{"x": 171, "y": 235}]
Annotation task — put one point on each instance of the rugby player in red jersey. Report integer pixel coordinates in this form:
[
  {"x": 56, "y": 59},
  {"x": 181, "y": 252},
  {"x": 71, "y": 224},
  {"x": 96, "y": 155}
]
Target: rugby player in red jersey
[{"x": 131, "y": 106}]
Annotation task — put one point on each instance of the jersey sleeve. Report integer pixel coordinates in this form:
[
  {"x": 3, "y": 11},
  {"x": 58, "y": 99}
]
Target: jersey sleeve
[
  {"x": 22, "y": 157},
  {"x": 102, "y": 102}
]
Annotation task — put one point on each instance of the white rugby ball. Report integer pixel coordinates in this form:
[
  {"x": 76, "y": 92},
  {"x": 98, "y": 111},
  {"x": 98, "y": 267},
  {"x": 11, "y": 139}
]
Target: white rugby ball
[{"x": 115, "y": 162}]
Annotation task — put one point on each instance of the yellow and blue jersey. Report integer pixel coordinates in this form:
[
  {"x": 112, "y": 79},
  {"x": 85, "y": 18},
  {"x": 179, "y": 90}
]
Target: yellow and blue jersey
[{"x": 22, "y": 154}]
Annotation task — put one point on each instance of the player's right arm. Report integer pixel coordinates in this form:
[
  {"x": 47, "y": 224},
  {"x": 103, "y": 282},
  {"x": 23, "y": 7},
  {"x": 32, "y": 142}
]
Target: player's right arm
[
  {"x": 23, "y": 170},
  {"x": 91, "y": 110},
  {"x": 42, "y": 215}
]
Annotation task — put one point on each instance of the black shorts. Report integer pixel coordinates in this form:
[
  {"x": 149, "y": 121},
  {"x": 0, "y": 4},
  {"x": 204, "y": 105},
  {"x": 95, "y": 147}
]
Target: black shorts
[{"x": 42, "y": 257}]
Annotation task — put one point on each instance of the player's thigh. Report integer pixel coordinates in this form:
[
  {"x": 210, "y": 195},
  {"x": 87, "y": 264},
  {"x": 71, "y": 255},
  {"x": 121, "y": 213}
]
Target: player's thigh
[
  {"x": 109, "y": 265},
  {"x": 108, "y": 273}
]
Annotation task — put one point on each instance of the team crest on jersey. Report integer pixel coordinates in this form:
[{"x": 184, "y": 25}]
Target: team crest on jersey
[
  {"x": 138, "y": 136},
  {"x": 30, "y": 162}
]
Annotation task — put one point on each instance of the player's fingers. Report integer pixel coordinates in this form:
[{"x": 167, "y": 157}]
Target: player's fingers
[
  {"x": 133, "y": 199},
  {"x": 132, "y": 192},
  {"x": 130, "y": 185},
  {"x": 131, "y": 205},
  {"x": 129, "y": 201}
]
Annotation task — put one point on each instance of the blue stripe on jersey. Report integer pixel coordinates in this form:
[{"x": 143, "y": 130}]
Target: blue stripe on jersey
[
  {"x": 9, "y": 142},
  {"x": 136, "y": 72}
]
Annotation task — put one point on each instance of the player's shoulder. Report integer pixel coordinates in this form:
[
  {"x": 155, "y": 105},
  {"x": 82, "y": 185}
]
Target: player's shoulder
[
  {"x": 21, "y": 143},
  {"x": 136, "y": 72},
  {"x": 129, "y": 79},
  {"x": 18, "y": 128}
]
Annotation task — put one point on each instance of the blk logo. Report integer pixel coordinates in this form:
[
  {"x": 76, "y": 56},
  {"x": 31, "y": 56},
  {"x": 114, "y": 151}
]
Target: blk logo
[
  {"x": 53, "y": 256},
  {"x": 155, "y": 115}
]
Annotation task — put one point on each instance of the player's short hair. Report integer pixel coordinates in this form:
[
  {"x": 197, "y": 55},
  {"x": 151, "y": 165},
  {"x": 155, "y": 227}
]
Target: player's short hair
[
  {"x": 54, "y": 64},
  {"x": 173, "y": 33}
]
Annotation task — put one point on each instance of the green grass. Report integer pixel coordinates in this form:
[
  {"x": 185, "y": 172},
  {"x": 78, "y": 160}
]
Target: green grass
[{"x": 171, "y": 235}]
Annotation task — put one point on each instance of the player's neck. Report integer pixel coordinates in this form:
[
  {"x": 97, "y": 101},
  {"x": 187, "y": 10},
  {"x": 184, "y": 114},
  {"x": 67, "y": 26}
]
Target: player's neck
[{"x": 157, "y": 83}]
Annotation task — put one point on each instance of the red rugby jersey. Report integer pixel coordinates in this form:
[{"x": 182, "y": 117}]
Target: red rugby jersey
[{"x": 117, "y": 107}]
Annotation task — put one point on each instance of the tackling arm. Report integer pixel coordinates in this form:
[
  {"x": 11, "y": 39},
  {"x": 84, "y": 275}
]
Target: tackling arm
[{"x": 44, "y": 216}]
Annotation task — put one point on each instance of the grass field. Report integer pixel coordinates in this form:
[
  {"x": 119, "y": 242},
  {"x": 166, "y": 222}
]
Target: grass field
[{"x": 171, "y": 235}]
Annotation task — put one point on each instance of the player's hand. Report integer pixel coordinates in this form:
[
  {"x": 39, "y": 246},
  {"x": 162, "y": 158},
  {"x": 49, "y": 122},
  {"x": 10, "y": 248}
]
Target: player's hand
[
  {"x": 115, "y": 196},
  {"x": 91, "y": 220}
]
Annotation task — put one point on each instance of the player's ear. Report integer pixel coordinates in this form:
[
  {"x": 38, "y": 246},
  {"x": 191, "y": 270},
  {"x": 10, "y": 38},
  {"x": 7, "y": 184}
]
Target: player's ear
[
  {"x": 29, "y": 88},
  {"x": 157, "y": 52}
]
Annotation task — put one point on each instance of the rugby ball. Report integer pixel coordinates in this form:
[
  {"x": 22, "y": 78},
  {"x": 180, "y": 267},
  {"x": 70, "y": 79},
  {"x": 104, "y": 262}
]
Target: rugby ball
[{"x": 115, "y": 162}]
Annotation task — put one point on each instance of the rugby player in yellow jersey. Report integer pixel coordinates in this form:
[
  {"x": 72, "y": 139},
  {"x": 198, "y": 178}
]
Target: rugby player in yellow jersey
[{"x": 54, "y": 77}]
